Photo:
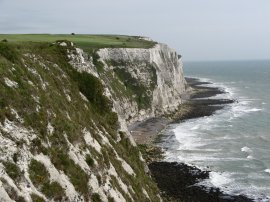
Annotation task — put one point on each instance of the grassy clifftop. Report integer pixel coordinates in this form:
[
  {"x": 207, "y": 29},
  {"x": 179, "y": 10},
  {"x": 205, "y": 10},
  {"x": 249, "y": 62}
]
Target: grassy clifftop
[{"x": 86, "y": 42}]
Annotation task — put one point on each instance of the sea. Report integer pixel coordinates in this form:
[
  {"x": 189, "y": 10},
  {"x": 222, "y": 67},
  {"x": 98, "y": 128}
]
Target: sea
[{"x": 234, "y": 143}]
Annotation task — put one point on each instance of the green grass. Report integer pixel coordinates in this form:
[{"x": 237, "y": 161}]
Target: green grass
[
  {"x": 40, "y": 178},
  {"x": 124, "y": 85},
  {"x": 36, "y": 198},
  {"x": 38, "y": 173},
  {"x": 86, "y": 42},
  {"x": 89, "y": 160},
  {"x": 12, "y": 170},
  {"x": 53, "y": 190},
  {"x": 142, "y": 98},
  {"x": 95, "y": 197},
  {"x": 77, "y": 176}
]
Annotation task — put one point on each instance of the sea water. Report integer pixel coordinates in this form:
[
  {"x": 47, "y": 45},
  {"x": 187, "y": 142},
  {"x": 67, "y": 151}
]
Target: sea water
[{"x": 234, "y": 143}]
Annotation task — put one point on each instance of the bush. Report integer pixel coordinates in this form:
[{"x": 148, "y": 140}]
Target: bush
[
  {"x": 12, "y": 170},
  {"x": 53, "y": 190},
  {"x": 99, "y": 65},
  {"x": 38, "y": 173},
  {"x": 89, "y": 160},
  {"x": 36, "y": 198},
  {"x": 92, "y": 89},
  {"x": 132, "y": 84},
  {"x": 77, "y": 176},
  {"x": 95, "y": 197},
  {"x": 40, "y": 178},
  {"x": 8, "y": 52},
  {"x": 110, "y": 199}
]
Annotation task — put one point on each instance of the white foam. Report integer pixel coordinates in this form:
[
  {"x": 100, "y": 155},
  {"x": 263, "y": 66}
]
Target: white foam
[
  {"x": 195, "y": 127},
  {"x": 253, "y": 110},
  {"x": 243, "y": 107},
  {"x": 239, "y": 108},
  {"x": 267, "y": 170},
  {"x": 249, "y": 99},
  {"x": 206, "y": 158},
  {"x": 203, "y": 79},
  {"x": 219, "y": 179},
  {"x": 246, "y": 149},
  {"x": 264, "y": 103},
  {"x": 187, "y": 139}
]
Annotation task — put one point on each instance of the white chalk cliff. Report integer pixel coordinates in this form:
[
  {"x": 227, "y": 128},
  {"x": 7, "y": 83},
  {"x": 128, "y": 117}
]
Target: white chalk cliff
[{"x": 141, "y": 64}]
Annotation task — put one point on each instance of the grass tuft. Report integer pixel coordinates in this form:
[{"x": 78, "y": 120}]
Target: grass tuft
[
  {"x": 9, "y": 52},
  {"x": 89, "y": 160},
  {"x": 12, "y": 170},
  {"x": 95, "y": 197},
  {"x": 36, "y": 198},
  {"x": 41, "y": 178}
]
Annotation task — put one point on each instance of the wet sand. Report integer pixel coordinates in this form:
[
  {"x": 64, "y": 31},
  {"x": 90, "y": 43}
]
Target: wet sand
[{"x": 145, "y": 132}]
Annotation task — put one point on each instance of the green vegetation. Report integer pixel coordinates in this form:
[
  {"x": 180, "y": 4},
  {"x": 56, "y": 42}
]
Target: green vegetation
[
  {"x": 38, "y": 173},
  {"x": 95, "y": 197},
  {"x": 151, "y": 153},
  {"x": 99, "y": 65},
  {"x": 53, "y": 101},
  {"x": 36, "y": 198},
  {"x": 93, "y": 90},
  {"x": 124, "y": 85},
  {"x": 130, "y": 154},
  {"x": 44, "y": 79},
  {"x": 86, "y": 42},
  {"x": 77, "y": 176},
  {"x": 40, "y": 178},
  {"x": 89, "y": 160},
  {"x": 110, "y": 199},
  {"x": 12, "y": 170},
  {"x": 53, "y": 190},
  {"x": 8, "y": 52},
  {"x": 136, "y": 88}
]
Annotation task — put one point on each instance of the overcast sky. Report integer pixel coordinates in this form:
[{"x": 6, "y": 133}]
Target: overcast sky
[{"x": 197, "y": 29}]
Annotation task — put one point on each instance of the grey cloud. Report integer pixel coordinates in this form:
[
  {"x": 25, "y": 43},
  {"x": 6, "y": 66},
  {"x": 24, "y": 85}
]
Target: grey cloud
[{"x": 198, "y": 29}]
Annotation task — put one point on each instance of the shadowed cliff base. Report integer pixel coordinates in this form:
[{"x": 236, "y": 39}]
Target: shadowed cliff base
[{"x": 178, "y": 181}]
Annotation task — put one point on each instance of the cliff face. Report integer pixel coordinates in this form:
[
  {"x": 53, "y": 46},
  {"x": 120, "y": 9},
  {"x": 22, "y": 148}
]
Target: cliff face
[
  {"x": 153, "y": 76},
  {"x": 64, "y": 116}
]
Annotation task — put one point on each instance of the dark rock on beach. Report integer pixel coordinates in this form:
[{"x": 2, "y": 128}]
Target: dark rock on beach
[
  {"x": 203, "y": 91},
  {"x": 178, "y": 183}
]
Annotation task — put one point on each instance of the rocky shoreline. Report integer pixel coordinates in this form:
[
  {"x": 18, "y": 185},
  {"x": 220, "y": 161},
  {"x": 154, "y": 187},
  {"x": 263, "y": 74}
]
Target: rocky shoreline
[{"x": 177, "y": 181}]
